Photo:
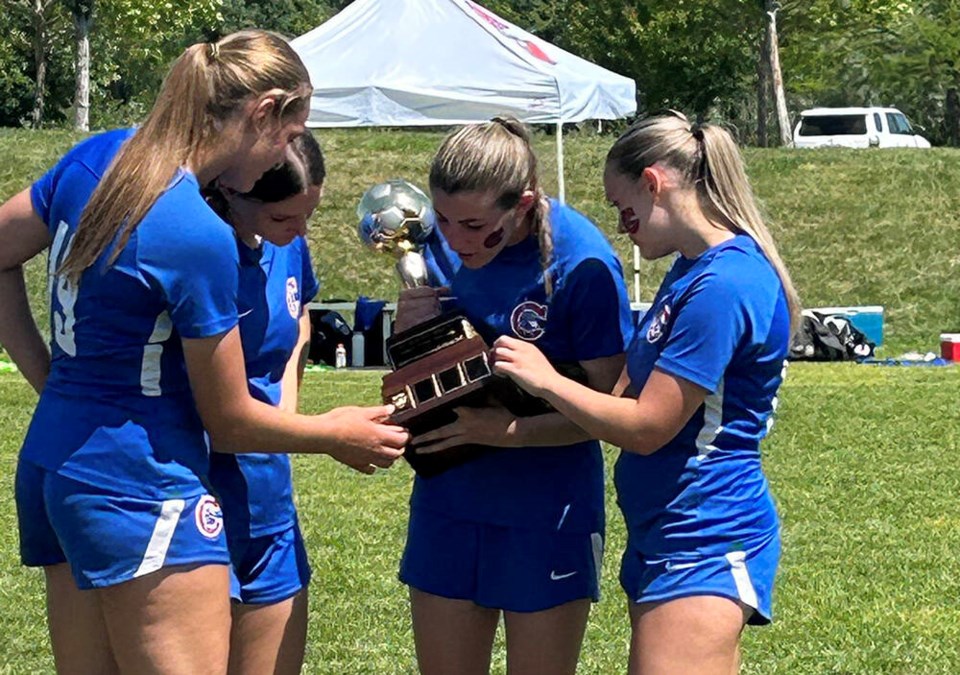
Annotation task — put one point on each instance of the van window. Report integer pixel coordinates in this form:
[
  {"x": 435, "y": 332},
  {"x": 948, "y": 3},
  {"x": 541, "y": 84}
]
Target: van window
[
  {"x": 833, "y": 125},
  {"x": 898, "y": 124},
  {"x": 878, "y": 122}
]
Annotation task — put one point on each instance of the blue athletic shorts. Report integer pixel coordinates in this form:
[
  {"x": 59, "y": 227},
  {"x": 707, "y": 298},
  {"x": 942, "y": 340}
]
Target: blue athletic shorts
[
  {"x": 111, "y": 538},
  {"x": 268, "y": 569},
  {"x": 745, "y": 575},
  {"x": 512, "y": 569}
]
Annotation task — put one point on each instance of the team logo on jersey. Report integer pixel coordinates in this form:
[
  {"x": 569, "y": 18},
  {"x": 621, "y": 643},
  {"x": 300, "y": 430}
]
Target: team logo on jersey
[
  {"x": 659, "y": 324},
  {"x": 293, "y": 297},
  {"x": 529, "y": 320},
  {"x": 209, "y": 517}
]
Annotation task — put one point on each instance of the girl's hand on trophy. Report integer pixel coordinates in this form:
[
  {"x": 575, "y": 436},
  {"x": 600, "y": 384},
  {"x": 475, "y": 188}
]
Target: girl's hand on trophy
[
  {"x": 524, "y": 364},
  {"x": 364, "y": 438},
  {"x": 417, "y": 305},
  {"x": 493, "y": 425}
]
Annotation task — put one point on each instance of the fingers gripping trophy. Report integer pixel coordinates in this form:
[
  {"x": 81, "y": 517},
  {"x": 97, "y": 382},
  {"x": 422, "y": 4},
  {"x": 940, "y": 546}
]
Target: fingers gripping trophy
[{"x": 438, "y": 364}]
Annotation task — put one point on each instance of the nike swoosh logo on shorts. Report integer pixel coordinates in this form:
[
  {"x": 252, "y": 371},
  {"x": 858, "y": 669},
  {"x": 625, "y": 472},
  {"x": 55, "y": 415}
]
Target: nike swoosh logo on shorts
[
  {"x": 671, "y": 566},
  {"x": 557, "y": 577},
  {"x": 243, "y": 314}
]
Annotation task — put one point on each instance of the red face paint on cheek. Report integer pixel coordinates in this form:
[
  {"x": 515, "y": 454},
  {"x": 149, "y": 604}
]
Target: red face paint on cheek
[
  {"x": 629, "y": 223},
  {"x": 493, "y": 239}
]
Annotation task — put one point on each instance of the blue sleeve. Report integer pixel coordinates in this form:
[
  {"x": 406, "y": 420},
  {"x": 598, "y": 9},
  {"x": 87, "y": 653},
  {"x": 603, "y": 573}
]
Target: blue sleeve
[
  {"x": 310, "y": 285},
  {"x": 197, "y": 273},
  {"x": 597, "y": 309},
  {"x": 41, "y": 192},
  {"x": 90, "y": 157},
  {"x": 709, "y": 323}
]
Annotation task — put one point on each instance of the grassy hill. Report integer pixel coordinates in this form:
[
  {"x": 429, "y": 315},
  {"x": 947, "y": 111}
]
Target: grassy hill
[{"x": 855, "y": 227}]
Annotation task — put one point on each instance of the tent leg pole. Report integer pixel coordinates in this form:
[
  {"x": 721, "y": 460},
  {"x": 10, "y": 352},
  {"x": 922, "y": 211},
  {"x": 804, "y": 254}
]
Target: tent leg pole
[{"x": 561, "y": 187}]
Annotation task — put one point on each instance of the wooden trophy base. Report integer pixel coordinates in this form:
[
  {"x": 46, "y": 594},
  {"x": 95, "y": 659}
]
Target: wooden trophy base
[
  {"x": 443, "y": 364},
  {"x": 440, "y": 365}
]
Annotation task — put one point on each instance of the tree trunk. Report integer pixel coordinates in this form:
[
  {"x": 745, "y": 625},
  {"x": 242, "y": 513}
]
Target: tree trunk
[
  {"x": 81, "y": 101},
  {"x": 40, "y": 61},
  {"x": 763, "y": 90},
  {"x": 779, "y": 97},
  {"x": 952, "y": 117}
]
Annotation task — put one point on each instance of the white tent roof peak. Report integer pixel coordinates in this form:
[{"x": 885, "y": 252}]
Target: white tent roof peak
[{"x": 440, "y": 62}]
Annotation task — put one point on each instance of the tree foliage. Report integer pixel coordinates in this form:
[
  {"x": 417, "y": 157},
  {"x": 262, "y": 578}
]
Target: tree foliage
[
  {"x": 700, "y": 56},
  {"x": 287, "y": 17},
  {"x": 133, "y": 43},
  {"x": 827, "y": 44},
  {"x": 18, "y": 68},
  {"x": 919, "y": 73}
]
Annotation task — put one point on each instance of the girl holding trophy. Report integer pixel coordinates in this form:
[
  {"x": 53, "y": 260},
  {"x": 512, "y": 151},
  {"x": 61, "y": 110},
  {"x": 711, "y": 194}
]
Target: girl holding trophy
[
  {"x": 519, "y": 531},
  {"x": 704, "y": 369}
]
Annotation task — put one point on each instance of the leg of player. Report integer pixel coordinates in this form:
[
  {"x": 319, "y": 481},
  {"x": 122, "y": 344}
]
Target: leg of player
[
  {"x": 174, "y": 621},
  {"x": 547, "y": 641},
  {"x": 452, "y": 637},
  {"x": 697, "y": 635},
  {"x": 269, "y": 638},
  {"x": 77, "y": 630}
]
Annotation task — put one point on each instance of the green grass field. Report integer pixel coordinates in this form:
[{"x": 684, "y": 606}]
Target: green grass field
[
  {"x": 855, "y": 227},
  {"x": 860, "y": 464},
  {"x": 859, "y": 459}
]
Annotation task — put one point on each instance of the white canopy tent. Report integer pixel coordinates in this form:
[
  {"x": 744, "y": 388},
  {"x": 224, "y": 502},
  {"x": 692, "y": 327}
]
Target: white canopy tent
[
  {"x": 443, "y": 62},
  {"x": 439, "y": 62}
]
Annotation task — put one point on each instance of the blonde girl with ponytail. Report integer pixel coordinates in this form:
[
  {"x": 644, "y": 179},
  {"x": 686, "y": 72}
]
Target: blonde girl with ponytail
[
  {"x": 700, "y": 391},
  {"x": 518, "y": 532},
  {"x": 111, "y": 484}
]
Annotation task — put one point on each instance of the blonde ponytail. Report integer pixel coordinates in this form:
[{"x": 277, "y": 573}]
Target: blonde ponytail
[
  {"x": 727, "y": 189},
  {"x": 204, "y": 87},
  {"x": 540, "y": 219},
  {"x": 707, "y": 158}
]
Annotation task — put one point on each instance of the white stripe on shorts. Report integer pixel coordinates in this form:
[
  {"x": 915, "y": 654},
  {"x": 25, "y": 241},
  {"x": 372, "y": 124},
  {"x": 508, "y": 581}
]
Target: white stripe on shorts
[
  {"x": 741, "y": 577},
  {"x": 162, "y": 535},
  {"x": 596, "y": 543}
]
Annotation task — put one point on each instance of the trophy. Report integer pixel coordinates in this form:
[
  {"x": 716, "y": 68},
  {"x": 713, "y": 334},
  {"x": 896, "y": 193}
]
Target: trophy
[
  {"x": 441, "y": 363},
  {"x": 396, "y": 217}
]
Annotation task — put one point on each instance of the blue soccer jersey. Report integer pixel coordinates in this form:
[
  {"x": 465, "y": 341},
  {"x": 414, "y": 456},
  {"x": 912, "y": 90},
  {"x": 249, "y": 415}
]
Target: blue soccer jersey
[
  {"x": 255, "y": 489},
  {"x": 586, "y": 317},
  {"x": 117, "y": 410},
  {"x": 722, "y": 322}
]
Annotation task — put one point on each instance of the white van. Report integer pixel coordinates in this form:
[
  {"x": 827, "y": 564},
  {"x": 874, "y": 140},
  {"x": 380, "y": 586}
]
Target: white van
[{"x": 856, "y": 128}]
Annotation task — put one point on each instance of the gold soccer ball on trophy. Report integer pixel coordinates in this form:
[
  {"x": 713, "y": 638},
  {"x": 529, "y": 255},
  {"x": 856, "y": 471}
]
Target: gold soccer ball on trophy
[{"x": 395, "y": 217}]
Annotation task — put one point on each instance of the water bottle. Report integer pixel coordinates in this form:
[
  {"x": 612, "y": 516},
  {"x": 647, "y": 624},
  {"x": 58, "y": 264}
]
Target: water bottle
[
  {"x": 357, "y": 346},
  {"x": 340, "y": 361}
]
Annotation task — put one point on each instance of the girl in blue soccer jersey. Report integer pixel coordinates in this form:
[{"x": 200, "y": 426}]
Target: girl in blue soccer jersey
[
  {"x": 517, "y": 532},
  {"x": 112, "y": 493},
  {"x": 270, "y": 570},
  {"x": 703, "y": 370}
]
